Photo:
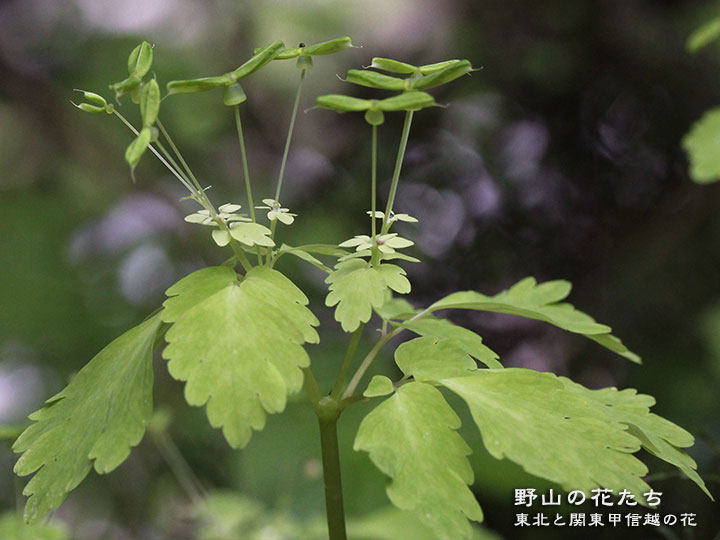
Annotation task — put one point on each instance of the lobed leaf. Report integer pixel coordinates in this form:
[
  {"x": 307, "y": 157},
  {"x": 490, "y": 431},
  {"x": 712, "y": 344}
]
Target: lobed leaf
[
  {"x": 427, "y": 359},
  {"x": 411, "y": 438},
  {"x": 238, "y": 347},
  {"x": 468, "y": 341},
  {"x": 532, "y": 419},
  {"x": 93, "y": 421},
  {"x": 357, "y": 288},
  {"x": 540, "y": 302}
]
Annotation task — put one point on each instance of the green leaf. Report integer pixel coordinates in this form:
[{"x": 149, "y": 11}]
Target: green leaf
[
  {"x": 239, "y": 349},
  {"x": 393, "y": 66},
  {"x": 357, "y": 288},
  {"x": 702, "y": 145},
  {"x": 251, "y": 234},
  {"x": 396, "y": 308},
  {"x": 431, "y": 359},
  {"x": 150, "y": 103},
  {"x": 467, "y": 340},
  {"x": 328, "y": 47},
  {"x": 140, "y": 60},
  {"x": 532, "y": 419},
  {"x": 137, "y": 148},
  {"x": 95, "y": 420},
  {"x": 234, "y": 95},
  {"x": 191, "y": 86},
  {"x": 408, "y": 101},
  {"x": 379, "y": 385},
  {"x": 411, "y": 438},
  {"x": 340, "y": 103},
  {"x": 13, "y": 527},
  {"x": 658, "y": 436},
  {"x": 450, "y": 73},
  {"x": 259, "y": 59},
  {"x": 541, "y": 302},
  {"x": 194, "y": 288},
  {"x": 373, "y": 79},
  {"x": 704, "y": 35},
  {"x": 307, "y": 257},
  {"x": 10, "y": 432}
]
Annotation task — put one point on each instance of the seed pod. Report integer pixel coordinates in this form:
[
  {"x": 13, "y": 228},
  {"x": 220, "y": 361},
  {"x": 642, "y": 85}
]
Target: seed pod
[
  {"x": 409, "y": 101},
  {"x": 140, "y": 60},
  {"x": 445, "y": 75},
  {"x": 393, "y": 66},
  {"x": 137, "y": 148},
  {"x": 340, "y": 103},
  {"x": 150, "y": 103},
  {"x": 328, "y": 47},
  {"x": 427, "y": 69},
  {"x": 234, "y": 95},
  {"x": 89, "y": 108},
  {"x": 373, "y": 79},
  {"x": 191, "y": 86},
  {"x": 261, "y": 58}
]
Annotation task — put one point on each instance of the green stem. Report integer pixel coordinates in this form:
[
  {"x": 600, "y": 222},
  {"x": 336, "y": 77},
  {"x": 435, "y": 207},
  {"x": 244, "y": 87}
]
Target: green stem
[
  {"x": 184, "y": 182},
  {"x": 328, "y": 411},
  {"x": 179, "y": 155},
  {"x": 289, "y": 136},
  {"x": 398, "y": 167},
  {"x": 246, "y": 172},
  {"x": 368, "y": 360},
  {"x": 179, "y": 467},
  {"x": 375, "y": 252},
  {"x": 349, "y": 356},
  {"x": 311, "y": 386}
]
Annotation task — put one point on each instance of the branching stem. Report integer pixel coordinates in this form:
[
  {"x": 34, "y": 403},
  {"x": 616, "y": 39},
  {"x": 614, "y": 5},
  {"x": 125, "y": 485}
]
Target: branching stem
[{"x": 347, "y": 362}]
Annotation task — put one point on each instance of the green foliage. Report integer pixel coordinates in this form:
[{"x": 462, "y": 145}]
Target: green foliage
[
  {"x": 356, "y": 288},
  {"x": 95, "y": 420},
  {"x": 702, "y": 144},
  {"x": 13, "y": 527},
  {"x": 236, "y": 338},
  {"x": 704, "y": 35},
  {"x": 411, "y": 437},
  {"x": 238, "y": 345},
  {"x": 541, "y": 302}
]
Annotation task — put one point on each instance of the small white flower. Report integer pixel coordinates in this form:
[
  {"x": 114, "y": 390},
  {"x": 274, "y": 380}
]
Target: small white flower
[
  {"x": 393, "y": 216},
  {"x": 226, "y": 212},
  {"x": 386, "y": 243},
  {"x": 277, "y": 212}
]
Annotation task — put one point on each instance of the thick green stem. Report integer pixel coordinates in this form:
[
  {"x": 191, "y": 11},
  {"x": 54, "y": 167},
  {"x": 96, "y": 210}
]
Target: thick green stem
[
  {"x": 328, "y": 411},
  {"x": 398, "y": 167},
  {"x": 246, "y": 172},
  {"x": 289, "y": 136},
  {"x": 349, "y": 356}
]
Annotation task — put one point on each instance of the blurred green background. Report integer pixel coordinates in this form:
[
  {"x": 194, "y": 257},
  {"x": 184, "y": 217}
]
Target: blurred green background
[{"x": 561, "y": 158}]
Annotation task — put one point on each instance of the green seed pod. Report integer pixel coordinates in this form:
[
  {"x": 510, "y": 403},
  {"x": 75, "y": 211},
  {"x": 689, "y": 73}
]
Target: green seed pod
[
  {"x": 328, "y": 47},
  {"x": 263, "y": 56},
  {"x": 374, "y": 117},
  {"x": 137, "y": 148},
  {"x": 234, "y": 95},
  {"x": 427, "y": 69},
  {"x": 393, "y": 66},
  {"x": 304, "y": 62},
  {"x": 154, "y": 134},
  {"x": 409, "y": 101},
  {"x": 150, "y": 103},
  {"x": 89, "y": 108},
  {"x": 340, "y": 103},
  {"x": 191, "y": 86},
  {"x": 140, "y": 60},
  {"x": 443, "y": 76},
  {"x": 92, "y": 97},
  {"x": 373, "y": 79}
]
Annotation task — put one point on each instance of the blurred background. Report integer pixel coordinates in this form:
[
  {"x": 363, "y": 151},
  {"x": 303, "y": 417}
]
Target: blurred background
[{"x": 561, "y": 158}]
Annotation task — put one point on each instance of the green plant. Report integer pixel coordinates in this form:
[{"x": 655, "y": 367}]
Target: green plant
[{"x": 235, "y": 334}]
